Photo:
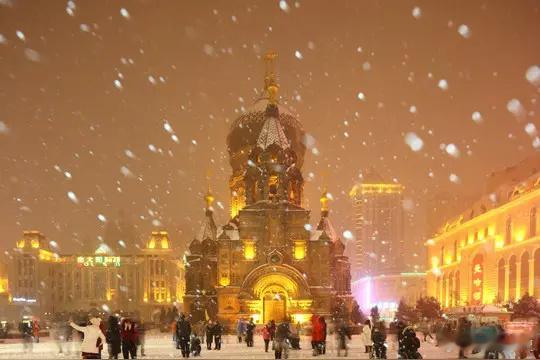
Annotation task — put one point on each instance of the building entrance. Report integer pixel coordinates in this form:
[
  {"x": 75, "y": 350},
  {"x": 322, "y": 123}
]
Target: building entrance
[{"x": 274, "y": 306}]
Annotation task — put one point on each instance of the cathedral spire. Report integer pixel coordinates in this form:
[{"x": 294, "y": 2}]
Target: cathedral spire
[
  {"x": 271, "y": 87},
  {"x": 324, "y": 202},
  {"x": 209, "y": 199}
]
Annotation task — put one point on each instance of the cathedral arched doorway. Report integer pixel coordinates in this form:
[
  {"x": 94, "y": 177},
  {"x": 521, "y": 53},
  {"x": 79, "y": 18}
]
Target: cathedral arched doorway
[{"x": 274, "y": 300}]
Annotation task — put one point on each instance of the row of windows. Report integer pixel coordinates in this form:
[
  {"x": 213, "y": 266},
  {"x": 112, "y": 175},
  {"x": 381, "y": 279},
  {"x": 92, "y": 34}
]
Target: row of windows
[
  {"x": 485, "y": 232},
  {"x": 512, "y": 267}
]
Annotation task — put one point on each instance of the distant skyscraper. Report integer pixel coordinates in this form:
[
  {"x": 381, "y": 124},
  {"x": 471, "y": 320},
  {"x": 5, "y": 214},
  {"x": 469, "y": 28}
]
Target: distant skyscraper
[{"x": 379, "y": 226}]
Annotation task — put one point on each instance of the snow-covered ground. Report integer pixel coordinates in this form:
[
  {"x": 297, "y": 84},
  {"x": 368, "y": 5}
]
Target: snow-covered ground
[{"x": 160, "y": 346}]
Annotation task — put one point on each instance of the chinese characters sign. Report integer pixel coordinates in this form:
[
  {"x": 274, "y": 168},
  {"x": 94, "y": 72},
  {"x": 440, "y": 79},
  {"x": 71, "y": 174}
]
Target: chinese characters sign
[
  {"x": 477, "y": 280},
  {"x": 94, "y": 261}
]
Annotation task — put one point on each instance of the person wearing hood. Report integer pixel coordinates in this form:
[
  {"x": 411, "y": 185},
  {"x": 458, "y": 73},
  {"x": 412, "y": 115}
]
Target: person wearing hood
[
  {"x": 129, "y": 335},
  {"x": 114, "y": 340},
  {"x": 92, "y": 337}
]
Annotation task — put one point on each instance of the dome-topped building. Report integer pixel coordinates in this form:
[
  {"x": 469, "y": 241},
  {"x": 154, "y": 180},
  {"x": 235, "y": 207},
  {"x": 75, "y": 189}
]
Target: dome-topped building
[
  {"x": 251, "y": 132},
  {"x": 266, "y": 263}
]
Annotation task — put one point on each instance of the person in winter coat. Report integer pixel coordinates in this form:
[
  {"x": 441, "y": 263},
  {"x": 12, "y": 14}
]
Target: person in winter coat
[
  {"x": 316, "y": 335},
  {"x": 366, "y": 336},
  {"x": 411, "y": 344},
  {"x": 463, "y": 336},
  {"x": 218, "y": 330},
  {"x": 266, "y": 336},
  {"x": 27, "y": 333},
  {"x": 281, "y": 340},
  {"x": 323, "y": 334},
  {"x": 92, "y": 336},
  {"x": 209, "y": 334},
  {"x": 113, "y": 337},
  {"x": 272, "y": 329},
  {"x": 183, "y": 333},
  {"x": 128, "y": 333},
  {"x": 378, "y": 336},
  {"x": 240, "y": 329},
  {"x": 343, "y": 333},
  {"x": 250, "y": 329}
]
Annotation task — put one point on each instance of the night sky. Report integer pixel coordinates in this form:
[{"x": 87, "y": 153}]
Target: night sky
[{"x": 110, "y": 106}]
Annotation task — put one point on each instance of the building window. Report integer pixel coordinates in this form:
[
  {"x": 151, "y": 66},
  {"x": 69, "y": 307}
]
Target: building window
[
  {"x": 524, "y": 281},
  {"x": 532, "y": 225},
  {"x": 512, "y": 269},
  {"x": 501, "y": 283},
  {"x": 508, "y": 235}
]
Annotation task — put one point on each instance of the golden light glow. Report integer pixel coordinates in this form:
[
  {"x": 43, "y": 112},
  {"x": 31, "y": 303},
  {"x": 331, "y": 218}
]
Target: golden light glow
[
  {"x": 275, "y": 280},
  {"x": 434, "y": 262},
  {"x": 224, "y": 281},
  {"x": 20, "y": 244},
  {"x": 109, "y": 296},
  {"x": 447, "y": 260},
  {"x": 3, "y": 285},
  {"x": 249, "y": 250},
  {"x": 491, "y": 230},
  {"x": 152, "y": 244},
  {"x": 301, "y": 318},
  {"x": 164, "y": 243},
  {"x": 376, "y": 188},
  {"x": 519, "y": 235},
  {"x": 34, "y": 243},
  {"x": 299, "y": 249}
]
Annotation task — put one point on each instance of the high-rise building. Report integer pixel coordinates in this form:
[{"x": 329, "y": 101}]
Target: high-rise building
[{"x": 379, "y": 226}]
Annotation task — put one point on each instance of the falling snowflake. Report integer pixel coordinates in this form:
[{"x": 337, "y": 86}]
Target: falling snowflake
[
  {"x": 118, "y": 84},
  {"x": 348, "y": 235},
  {"x": 416, "y": 12},
  {"x": 3, "y": 128},
  {"x": 530, "y": 129},
  {"x": 443, "y": 84},
  {"x": 464, "y": 31},
  {"x": 71, "y": 196},
  {"x": 515, "y": 107},
  {"x": 102, "y": 218},
  {"x": 284, "y": 6},
  {"x": 414, "y": 141},
  {"x": 533, "y": 75},
  {"x": 124, "y": 13},
  {"x": 454, "y": 178},
  {"x": 3, "y": 39},
  {"x": 20, "y": 35},
  {"x": 361, "y": 96},
  {"x": 452, "y": 150},
  {"x": 477, "y": 117},
  {"x": 298, "y": 55},
  {"x": 32, "y": 55}
]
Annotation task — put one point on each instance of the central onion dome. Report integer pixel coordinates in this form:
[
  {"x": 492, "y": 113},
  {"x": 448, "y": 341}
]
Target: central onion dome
[
  {"x": 265, "y": 124},
  {"x": 245, "y": 130}
]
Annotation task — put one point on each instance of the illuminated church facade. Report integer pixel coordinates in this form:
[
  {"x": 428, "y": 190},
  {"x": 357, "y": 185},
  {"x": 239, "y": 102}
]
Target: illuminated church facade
[{"x": 266, "y": 263}]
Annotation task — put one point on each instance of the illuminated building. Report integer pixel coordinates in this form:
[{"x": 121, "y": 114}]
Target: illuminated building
[
  {"x": 489, "y": 254},
  {"x": 379, "y": 226},
  {"x": 148, "y": 279},
  {"x": 266, "y": 263}
]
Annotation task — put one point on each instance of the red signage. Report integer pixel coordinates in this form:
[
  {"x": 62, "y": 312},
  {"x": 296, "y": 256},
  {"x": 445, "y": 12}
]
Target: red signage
[{"x": 477, "y": 280}]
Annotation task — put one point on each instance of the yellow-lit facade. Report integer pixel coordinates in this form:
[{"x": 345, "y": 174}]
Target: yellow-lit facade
[
  {"x": 491, "y": 253},
  {"x": 47, "y": 281}
]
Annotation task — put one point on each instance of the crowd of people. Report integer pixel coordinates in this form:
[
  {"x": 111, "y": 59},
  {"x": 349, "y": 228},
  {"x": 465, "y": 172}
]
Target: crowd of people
[{"x": 124, "y": 335}]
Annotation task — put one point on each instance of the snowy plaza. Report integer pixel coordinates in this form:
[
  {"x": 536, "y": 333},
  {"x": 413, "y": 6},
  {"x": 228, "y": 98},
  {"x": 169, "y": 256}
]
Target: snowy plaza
[{"x": 160, "y": 346}]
